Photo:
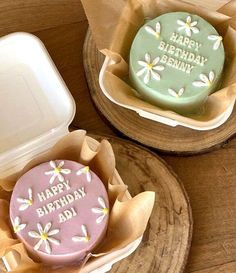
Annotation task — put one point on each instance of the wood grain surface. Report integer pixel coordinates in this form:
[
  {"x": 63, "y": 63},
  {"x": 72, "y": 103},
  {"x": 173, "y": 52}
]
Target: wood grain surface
[
  {"x": 209, "y": 179},
  {"x": 166, "y": 242}
]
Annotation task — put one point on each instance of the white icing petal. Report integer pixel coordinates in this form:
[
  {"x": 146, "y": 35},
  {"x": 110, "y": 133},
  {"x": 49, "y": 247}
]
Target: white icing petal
[
  {"x": 86, "y": 170},
  {"x": 61, "y": 164},
  {"x": 188, "y": 20},
  {"x": 158, "y": 68},
  {"x": 60, "y": 177},
  {"x": 181, "y": 28},
  {"x": 53, "y": 232},
  {"x": 172, "y": 93},
  {"x": 150, "y": 30},
  {"x": 141, "y": 72},
  {"x": 97, "y": 210},
  {"x": 195, "y": 30},
  {"x": 218, "y": 39},
  {"x": 188, "y": 32},
  {"x": 17, "y": 221},
  {"x": 142, "y": 63},
  {"x": 99, "y": 219},
  {"x": 180, "y": 22},
  {"x": 217, "y": 44},
  {"x": 84, "y": 230},
  {"x": 147, "y": 77},
  {"x": 21, "y": 227},
  {"x": 22, "y": 200},
  {"x": 213, "y": 37},
  {"x": 147, "y": 58},
  {"x": 158, "y": 27},
  {"x": 40, "y": 229},
  {"x": 79, "y": 172},
  {"x": 155, "y": 75},
  {"x": 37, "y": 246},
  {"x": 47, "y": 227},
  {"x": 211, "y": 76},
  {"x": 156, "y": 61},
  {"x": 30, "y": 193},
  {"x": 193, "y": 24},
  {"x": 53, "y": 164},
  {"x": 65, "y": 171},
  {"x": 23, "y": 207},
  {"x": 203, "y": 78},
  {"x": 104, "y": 210},
  {"x": 181, "y": 91},
  {"x": 86, "y": 237},
  {"x": 47, "y": 247},
  {"x": 54, "y": 241},
  {"x": 88, "y": 176},
  {"x": 101, "y": 202},
  {"x": 199, "y": 84},
  {"x": 34, "y": 234},
  {"x": 78, "y": 239},
  {"x": 17, "y": 226},
  {"x": 52, "y": 178}
]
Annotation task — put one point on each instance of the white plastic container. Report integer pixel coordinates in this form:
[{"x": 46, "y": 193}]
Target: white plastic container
[
  {"x": 214, "y": 123},
  {"x": 36, "y": 109}
]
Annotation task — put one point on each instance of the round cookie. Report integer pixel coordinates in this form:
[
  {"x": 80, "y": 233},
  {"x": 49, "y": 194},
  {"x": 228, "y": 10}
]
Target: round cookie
[
  {"x": 59, "y": 210},
  {"x": 176, "y": 61}
]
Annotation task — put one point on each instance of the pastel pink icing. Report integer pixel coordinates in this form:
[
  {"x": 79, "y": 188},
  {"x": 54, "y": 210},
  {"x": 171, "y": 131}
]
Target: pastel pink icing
[{"x": 80, "y": 192}]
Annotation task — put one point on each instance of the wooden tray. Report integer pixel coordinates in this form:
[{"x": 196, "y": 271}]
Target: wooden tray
[
  {"x": 178, "y": 140},
  {"x": 167, "y": 240}
]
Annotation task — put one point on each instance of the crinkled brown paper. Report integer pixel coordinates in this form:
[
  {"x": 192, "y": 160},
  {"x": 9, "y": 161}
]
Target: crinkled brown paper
[
  {"x": 114, "y": 28},
  {"x": 128, "y": 217}
]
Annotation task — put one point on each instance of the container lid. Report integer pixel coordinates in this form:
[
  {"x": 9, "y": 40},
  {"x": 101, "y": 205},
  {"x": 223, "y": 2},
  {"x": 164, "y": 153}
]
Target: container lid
[{"x": 36, "y": 106}]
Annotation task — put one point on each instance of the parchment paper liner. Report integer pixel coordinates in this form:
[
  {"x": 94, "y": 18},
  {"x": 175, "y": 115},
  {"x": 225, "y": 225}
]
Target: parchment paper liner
[
  {"x": 128, "y": 217},
  {"x": 114, "y": 28}
]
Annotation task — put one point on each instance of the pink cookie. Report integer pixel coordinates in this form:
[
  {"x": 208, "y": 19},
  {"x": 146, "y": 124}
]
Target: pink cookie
[{"x": 59, "y": 210}]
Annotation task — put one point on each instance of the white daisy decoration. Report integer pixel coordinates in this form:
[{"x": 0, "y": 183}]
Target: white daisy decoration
[
  {"x": 176, "y": 94},
  {"x": 149, "y": 68},
  {"x": 17, "y": 225},
  {"x": 44, "y": 236},
  {"x": 156, "y": 32},
  {"x": 218, "y": 40},
  {"x": 57, "y": 171},
  {"x": 84, "y": 238},
  {"x": 188, "y": 26},
  {"x": 103, "y": 210},
  {"x": 205, "y": 80},
  {"x": 26, "y": 202},
  {"x": 85, "y": 170}
]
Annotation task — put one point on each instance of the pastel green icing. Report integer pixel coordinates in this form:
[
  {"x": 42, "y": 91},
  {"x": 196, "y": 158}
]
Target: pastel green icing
[{"x": 190, "y": 64}]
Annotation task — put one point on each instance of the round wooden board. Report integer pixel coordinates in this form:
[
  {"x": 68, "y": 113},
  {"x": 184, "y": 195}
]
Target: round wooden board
[
  {"x": 178, "y": 139},
  {"x": 166, "y": 242}
]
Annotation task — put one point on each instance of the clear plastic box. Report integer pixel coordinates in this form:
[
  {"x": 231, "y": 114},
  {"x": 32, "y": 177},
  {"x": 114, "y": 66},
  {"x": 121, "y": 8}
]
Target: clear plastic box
[{"x": 36, "y": 111}]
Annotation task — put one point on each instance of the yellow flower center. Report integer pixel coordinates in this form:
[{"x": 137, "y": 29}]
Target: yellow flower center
[
  {"x": 16, "y": 229},
  {"x": 86, "y": 169},
  {"x": 187, "y": 25},
  {"x": 57, "y": 170},
  {"x": 87, "y": 238},
  {"x": 157, "y": 35},
  {"x": 149, "y": 66},
  {"x": 44, "y": 236},
  {"x": 29, "y": 202},
  {"x": 220, "y": 38},
  {"x": 105, "y": 211}
]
